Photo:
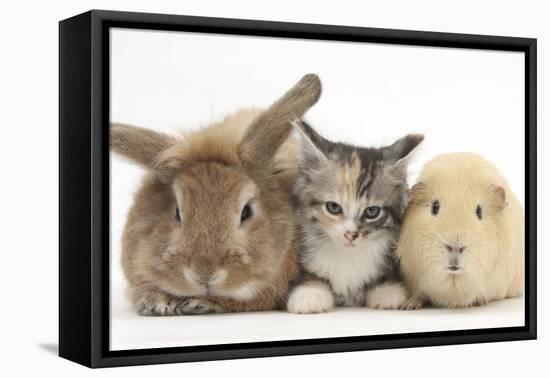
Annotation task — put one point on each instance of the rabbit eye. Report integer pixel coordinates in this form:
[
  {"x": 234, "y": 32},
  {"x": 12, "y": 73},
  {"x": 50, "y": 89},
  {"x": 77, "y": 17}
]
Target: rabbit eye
[
  {"x": 479, "y": 212},
  {"x": 246, "y": 213},
  {"x": 333, "y": 208},
  {"x": 435, "y": 207},
  {"x": 372, "y": 212},
  {"x": 178, "y": 218}
]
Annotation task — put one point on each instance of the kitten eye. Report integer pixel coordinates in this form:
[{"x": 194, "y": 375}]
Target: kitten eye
[
  {"x": 178, "y": 218},
  {"x": 435, "y": 207},
  {"x": 372, "y": 212},
  {"x": 333, "y": 207},
  {"x": 479, "y": 212},
  {"x": 246, "y": 213}
]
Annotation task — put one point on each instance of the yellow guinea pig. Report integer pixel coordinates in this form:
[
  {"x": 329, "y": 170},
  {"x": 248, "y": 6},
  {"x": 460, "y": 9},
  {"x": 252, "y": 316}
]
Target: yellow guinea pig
[{"x": 462, "y": 239}]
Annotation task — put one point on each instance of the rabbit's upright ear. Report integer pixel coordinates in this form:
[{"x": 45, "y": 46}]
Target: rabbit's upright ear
[
  {"x": 138, "y": 144},
  {"x": 272, "y": 127}
]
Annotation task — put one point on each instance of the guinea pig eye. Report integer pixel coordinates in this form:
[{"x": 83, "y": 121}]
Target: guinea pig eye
[
  {"x": 246, "y": 213},
  {"x": 372, "y": 212},
  {"x": 178, "y": 218},
  {"x": 435, "y": 207},
  {"x": 333, "y": 208},
  {"x": 479, "y": 212}
]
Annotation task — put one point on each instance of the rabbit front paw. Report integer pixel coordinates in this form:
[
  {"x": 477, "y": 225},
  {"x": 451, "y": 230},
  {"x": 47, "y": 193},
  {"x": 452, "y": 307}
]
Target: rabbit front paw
[
  {"x": 160, "y": 307},
  {"x": 173, "y": 306},
  {"x": 196, "y": 306}
]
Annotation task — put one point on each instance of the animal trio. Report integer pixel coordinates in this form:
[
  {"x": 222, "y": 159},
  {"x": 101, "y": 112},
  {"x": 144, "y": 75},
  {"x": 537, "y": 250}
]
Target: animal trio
[{"x": 260, "y": 212}]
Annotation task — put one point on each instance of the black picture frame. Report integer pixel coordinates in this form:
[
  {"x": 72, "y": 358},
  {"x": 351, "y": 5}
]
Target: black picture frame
[{"x": 84, "y": 187}]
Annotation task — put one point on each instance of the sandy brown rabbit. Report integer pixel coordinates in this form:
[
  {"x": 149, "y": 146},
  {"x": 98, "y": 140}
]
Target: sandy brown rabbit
[{"x": 212, "y": 226}]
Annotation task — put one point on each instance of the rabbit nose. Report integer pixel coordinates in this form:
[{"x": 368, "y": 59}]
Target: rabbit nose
[
  {"x": 204, "y": 268},
  {"x": 351, "y": 235},
  {"x": 458, "y": 248}
]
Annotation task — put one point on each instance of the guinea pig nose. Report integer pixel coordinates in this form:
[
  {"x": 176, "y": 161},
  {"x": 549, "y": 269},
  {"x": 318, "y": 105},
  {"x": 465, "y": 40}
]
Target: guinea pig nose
[{"x": 351, "y": 235}]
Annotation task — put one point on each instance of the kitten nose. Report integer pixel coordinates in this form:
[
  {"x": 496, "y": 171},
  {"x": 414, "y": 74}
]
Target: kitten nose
[
  {"x": 458, "y": 248},
  {"x": 351, "y": 235}
]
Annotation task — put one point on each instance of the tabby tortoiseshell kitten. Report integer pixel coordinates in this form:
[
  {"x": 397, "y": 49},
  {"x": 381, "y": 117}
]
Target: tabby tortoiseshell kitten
[{"x": 351, "y": 203}]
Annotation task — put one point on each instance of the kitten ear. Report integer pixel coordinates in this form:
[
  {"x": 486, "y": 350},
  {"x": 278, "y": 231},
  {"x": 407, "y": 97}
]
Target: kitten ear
[
  {"x": 398, "y": 154},
  {"x": 402, "y": 147},
  {"x": 310, "y": 155}
]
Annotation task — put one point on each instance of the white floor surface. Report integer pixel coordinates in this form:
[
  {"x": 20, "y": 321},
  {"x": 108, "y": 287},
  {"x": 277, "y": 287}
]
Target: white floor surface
[{"x": 130, "y": 331}]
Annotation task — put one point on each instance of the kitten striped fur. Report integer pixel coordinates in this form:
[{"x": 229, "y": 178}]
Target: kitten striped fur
[{"x": 351, "y": 203}]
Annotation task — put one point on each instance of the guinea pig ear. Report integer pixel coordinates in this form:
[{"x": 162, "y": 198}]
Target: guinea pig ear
[
  {"x": 416, "y": 194},
  {"x": 273, "y": 126},
  {"x": 140, "y": 145},
  {"x": 497, "y": 198}
]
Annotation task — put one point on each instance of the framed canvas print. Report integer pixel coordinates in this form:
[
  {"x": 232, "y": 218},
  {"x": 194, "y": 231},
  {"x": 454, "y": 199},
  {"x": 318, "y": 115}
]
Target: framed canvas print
[{"x": 236, "y": 188}]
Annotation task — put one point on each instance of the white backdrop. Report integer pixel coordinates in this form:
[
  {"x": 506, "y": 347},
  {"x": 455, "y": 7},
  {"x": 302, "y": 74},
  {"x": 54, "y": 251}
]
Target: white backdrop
[
  {"x": 462, "y": 100},
  {"x": 29, "y": 74}
]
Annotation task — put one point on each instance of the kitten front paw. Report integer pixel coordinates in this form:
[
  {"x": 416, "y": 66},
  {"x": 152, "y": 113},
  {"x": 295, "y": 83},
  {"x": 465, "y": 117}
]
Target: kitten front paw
[
  {"x": 387, "y": 296},
  {"x": 196, "y": 306},
  {"x": 413, "y": 303},
  {"x": 310, "y": 298}
]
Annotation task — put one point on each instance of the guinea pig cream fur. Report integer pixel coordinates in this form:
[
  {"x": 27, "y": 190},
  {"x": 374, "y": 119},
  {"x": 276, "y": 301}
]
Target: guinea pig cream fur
[{"x": 462, "y": 239}]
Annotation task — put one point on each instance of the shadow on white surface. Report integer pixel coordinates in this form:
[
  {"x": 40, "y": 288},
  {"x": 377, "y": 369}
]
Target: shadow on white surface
[
  {"x": 51, "y": 348},
  {"x": 131, "y": 331}
]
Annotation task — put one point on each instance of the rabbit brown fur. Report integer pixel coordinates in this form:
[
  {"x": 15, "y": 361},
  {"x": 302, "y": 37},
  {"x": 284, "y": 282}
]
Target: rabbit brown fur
[
  {"x": 462, "y": 241},
  {"x": 185, "y": 249}
]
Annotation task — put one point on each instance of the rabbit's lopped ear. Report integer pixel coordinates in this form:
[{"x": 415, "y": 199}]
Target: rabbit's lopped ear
[
  {"x": 138, "y": 144},
  {"x": 272, "y": 127}
]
